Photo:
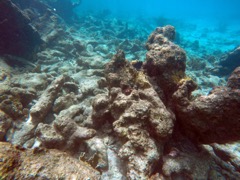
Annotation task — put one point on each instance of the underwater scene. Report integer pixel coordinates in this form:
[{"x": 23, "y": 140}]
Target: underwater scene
[{"x": 119, "y": 89}]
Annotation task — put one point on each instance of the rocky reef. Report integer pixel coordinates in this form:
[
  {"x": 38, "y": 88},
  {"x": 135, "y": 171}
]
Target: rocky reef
[
  {"x": 76, "y": 111},
  {"x": 165, "y": 61}
]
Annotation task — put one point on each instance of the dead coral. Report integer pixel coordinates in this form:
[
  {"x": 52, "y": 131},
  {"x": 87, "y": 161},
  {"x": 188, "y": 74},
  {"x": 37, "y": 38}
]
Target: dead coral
[
  {"x": 165, "y": 61},
  {"x": 212, "y": 118},
  {"x": 139, "y": 119}
]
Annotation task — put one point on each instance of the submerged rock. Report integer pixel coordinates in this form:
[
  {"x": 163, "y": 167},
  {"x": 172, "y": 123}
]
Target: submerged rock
[
  {"x": 165, "y": 61},
  {"x": 5, "y": 124},
  {"x": 229, "y": 62},
  {"x": 39, "y": 111},
  {"x": 133, "y": 129},
  {"x": 211, "y": 118},
  {"x": 17, "y": 36},
  {"x": 139, "y": 119},
  {"x": 226, "y": 155},
  {"x": 19, "y": 163},
  {"x": 234, "y": 79}
]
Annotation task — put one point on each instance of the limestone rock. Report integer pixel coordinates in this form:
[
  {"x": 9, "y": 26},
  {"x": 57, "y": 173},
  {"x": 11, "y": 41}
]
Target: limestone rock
[
  {"x": 64, "y": 102},
  {"x": 229, "y": 62},
  {"x": 5, "y": 123},
  {"x": 14, "y": 101},
  {"x": 96, "y": 154},
  {"x": 64, "y": 133},
  {"x": 186, "y": 165},
  {"x": 233, "y": 80},
  {"x": 226, "y": 156},
  {"x": 48, "y": 136}
]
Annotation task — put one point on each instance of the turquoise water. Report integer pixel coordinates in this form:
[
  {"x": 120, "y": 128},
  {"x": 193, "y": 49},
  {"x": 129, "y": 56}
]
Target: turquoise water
[
  {"x": 206, "y": 9},
  {"x": 210, "y": 22}
]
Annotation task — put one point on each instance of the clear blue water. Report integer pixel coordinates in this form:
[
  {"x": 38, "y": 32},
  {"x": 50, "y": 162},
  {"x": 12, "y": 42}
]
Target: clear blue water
[
  {"x": 188, "y": 9},
  {"x": 215, "y": 24}
]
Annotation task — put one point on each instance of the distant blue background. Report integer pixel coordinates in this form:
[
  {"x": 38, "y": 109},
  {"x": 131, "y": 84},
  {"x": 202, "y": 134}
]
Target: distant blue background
[{"x": 227, "y": 10}]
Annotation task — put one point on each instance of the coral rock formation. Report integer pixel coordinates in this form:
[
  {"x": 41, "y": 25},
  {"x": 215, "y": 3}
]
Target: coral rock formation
[
  {"x": 211, "y": 118},
  {"x": 139, "y": 118},
  {"x": 133, "y": 120},
  {"x": 165, "y": 60},
  {"x": 19, "y": 163},
  {"x": 39, "y": 111}
]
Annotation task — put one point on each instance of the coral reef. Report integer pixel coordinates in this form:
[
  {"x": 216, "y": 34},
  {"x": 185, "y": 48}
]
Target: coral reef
[
  {"x": 63, "y": 134},
  {"x": 225, "y": 156},
  {"x": 39, "y": 111},
  {"x": 5, "y": 124},
  {"x": 229, "y": 62},
  {"x": 126, "y": 117}
]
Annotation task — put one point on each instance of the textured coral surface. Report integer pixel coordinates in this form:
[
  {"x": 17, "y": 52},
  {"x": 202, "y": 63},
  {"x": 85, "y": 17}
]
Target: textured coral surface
[{"x": 19, "y": 163}]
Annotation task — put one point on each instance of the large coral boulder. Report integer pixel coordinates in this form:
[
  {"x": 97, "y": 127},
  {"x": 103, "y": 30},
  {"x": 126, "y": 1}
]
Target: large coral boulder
[
  {"x": 19, "y": 163},
  {"x": 140, "y": 121},
  {"x": 211, "y": 118}
]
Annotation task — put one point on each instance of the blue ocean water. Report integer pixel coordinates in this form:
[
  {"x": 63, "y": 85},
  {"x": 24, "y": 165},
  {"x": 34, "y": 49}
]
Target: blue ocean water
[{"x": 188, "y": 9}]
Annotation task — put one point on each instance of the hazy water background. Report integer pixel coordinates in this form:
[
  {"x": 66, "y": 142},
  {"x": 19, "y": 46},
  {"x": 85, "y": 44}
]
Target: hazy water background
[
  {"x": 226, "y": 11},
  {"x": 215, "y": 24}
]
